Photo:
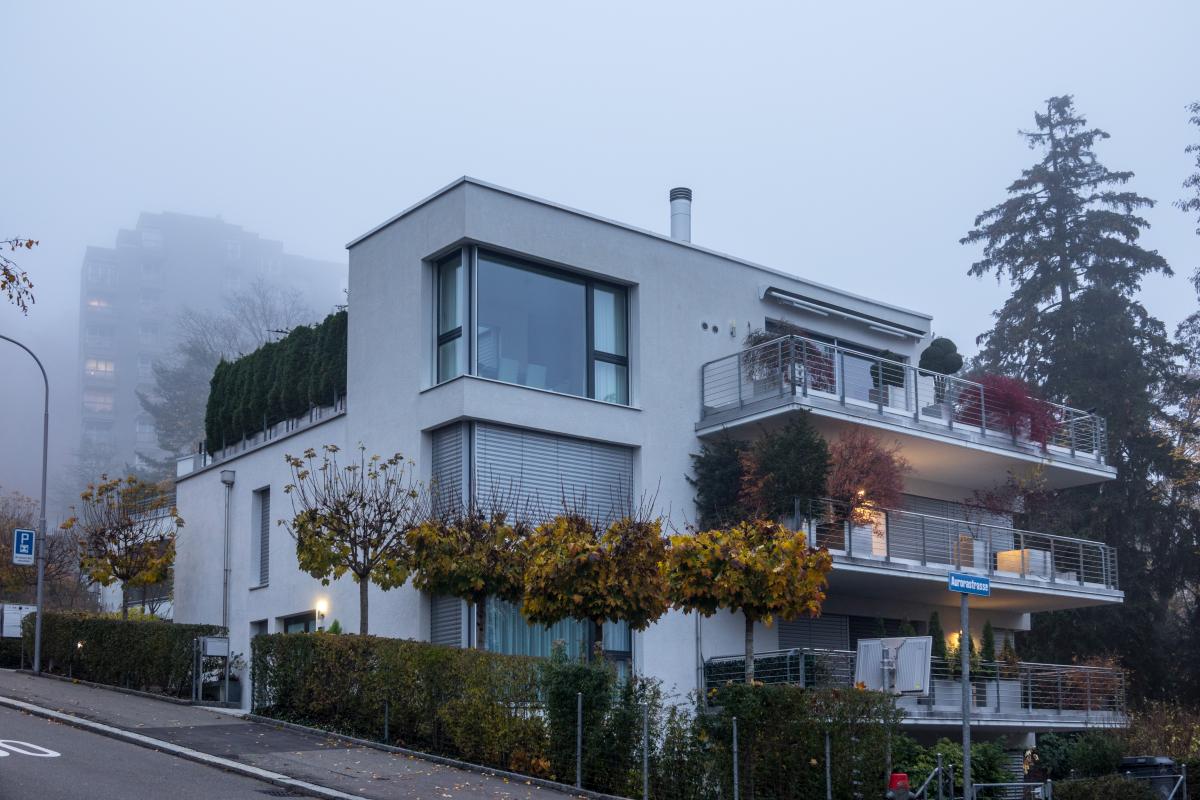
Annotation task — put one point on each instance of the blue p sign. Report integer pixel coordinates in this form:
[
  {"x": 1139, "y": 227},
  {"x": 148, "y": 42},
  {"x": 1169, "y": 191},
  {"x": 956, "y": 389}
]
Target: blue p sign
[{"x": 23, "y": 547}]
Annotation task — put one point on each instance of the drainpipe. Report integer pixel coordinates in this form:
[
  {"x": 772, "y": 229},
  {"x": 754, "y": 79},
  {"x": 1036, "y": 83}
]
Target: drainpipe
[{"x": 227, "y": 477}]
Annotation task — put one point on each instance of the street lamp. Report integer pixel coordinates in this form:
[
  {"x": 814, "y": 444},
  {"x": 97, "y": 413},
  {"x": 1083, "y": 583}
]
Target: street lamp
[{"x": 41, "y": 532}]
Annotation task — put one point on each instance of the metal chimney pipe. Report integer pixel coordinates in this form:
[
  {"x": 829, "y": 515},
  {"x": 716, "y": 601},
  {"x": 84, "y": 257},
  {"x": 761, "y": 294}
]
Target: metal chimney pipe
[{"x": 681, "y": 213}]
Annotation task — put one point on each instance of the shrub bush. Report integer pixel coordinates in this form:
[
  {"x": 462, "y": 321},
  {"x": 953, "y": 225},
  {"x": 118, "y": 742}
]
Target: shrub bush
[
  {"x": 519, "y": 714},
  {"x": 147, "y": 655},
  {"x": 10, "y": 653},
  {"x": 1109, "y": 787},
  {"x": 989, "y": 763}
]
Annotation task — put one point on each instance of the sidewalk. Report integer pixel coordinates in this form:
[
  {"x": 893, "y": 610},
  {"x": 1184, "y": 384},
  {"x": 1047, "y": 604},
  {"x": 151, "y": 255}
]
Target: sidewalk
[{"x": 359, "y": 771}]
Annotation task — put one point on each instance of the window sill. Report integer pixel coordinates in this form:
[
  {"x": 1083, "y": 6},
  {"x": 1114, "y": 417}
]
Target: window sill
[
  {"x": 550, "y": 392},
  {"x": 260, "y": 586}
]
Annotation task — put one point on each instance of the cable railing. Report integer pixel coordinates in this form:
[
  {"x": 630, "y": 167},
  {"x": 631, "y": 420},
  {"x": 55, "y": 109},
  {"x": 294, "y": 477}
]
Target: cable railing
[
  {"x": 800, "y": 667},
  {"x": 911, "y": 539},
  {"x": 1016, "y": 689},
  {"x": 795, "y": 366}
]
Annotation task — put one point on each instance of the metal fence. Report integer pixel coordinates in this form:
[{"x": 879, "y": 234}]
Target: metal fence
[
  {"x": 795, "y": 366},
  {"x": 1015, "y": 690},
  {"x": 891, "y": 535}
]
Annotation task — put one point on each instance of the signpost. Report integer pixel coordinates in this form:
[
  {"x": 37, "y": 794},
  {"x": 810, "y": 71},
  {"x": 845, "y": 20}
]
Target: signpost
[
  {"x": 967, "y": 585},
  {"x": 23, "y": 547}
]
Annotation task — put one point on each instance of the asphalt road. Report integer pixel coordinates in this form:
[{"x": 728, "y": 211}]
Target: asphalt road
[{"x": 94, "y": 767}]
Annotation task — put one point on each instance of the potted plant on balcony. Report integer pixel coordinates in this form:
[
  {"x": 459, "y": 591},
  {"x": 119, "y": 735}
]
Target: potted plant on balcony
[
  {"x": 888, "y": 371},
  {"x": 941, "y": 358},
  {"x": 1008, "y": 686}
]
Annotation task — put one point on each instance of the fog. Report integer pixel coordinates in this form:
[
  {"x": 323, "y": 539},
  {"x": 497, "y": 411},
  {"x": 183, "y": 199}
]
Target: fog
[{"x": 852, "y": 147}]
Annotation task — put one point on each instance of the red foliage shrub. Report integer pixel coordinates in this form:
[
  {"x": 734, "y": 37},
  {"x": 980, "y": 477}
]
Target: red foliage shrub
[
  {"x": 1010, "y": 405},
  {"x": 863, "y": 470}
]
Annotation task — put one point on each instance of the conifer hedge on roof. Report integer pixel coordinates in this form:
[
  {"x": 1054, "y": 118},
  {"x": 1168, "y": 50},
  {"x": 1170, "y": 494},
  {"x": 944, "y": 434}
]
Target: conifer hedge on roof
[{"x": 278, "y": 381}]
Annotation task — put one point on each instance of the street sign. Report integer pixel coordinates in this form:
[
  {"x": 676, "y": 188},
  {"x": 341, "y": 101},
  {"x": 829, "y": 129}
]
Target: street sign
[
  {"x": 969, "y": 584},
  {"x": 23, "y": 547}
]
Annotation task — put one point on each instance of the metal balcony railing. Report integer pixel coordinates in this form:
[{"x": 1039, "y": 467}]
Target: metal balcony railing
[
  {"x": 795, "y": 366},
  {"x": 1016, "y": 690},
  {"x": 907, "y": 538}
]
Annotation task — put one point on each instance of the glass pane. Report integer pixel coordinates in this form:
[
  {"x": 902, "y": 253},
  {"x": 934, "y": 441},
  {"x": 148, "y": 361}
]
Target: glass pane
[
  {"x": 450, "y": 359},
  {"x": 617, "y": 637},
  {"x": 612, "y": 383},
  {"x": 609, "y": 320},
  {"x": 450, "y": 294},
  {"x": 508, "y": 632},
  {"x": 532, "y": 327}
]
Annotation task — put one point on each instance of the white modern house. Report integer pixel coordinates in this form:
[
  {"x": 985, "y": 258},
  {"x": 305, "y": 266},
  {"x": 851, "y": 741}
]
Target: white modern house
[{"x": 501, "y": 340}]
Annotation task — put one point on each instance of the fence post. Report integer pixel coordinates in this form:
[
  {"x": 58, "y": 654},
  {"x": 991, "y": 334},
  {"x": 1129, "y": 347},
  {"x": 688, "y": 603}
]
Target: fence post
[
  {"x": 387, "y": 739},
  {"x": 828, "y": 769},
  {"x": 645, "y": 751},
  {"x": 1049, "y": 789},
  {"x": 941, "y": 773},
  {"x": 579, "y": 740},
  {"x": 735, "y": 760}
]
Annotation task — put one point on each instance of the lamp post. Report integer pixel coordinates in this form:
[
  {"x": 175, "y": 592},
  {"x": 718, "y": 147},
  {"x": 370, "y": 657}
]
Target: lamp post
[{"x": 40, "y": 545}]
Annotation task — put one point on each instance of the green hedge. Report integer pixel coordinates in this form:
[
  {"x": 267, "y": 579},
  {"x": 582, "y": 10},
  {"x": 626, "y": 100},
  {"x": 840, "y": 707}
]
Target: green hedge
[
  {"x": 1109, "y": 787},
  {"x": 280, "y": 380},
  {"x": 10, "y": 654},
  {"x": 150, "y": 656},
  {"x": 519, "y": 714},
  {"x": 462, "y": 703}
]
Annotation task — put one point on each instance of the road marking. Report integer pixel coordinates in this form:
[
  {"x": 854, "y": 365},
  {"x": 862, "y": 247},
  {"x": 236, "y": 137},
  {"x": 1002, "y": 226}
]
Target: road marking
[
  {"x": 302, "y": 787},
  {"x": 26, "y": 749}
]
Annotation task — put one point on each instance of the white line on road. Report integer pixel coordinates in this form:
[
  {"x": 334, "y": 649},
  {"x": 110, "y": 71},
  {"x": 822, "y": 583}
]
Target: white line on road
[{"x": 183, "y": 752}]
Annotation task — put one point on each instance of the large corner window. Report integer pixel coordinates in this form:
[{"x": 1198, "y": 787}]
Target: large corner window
[
  {"x": 533, "y": 326},
  {"x": 451, "y": 311}
]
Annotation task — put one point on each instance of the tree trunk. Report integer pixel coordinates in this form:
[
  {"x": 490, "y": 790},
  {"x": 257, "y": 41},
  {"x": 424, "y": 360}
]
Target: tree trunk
[
  {"x": 749, "y": 648},
  {"x": 364, "y": 585},
  {"x": 597, "y": 640},
  {"x": 480, "y": 604},
  {"x": 124, "y": 602}
]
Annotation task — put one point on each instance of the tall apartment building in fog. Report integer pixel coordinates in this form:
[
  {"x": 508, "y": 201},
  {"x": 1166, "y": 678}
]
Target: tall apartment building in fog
[{"x": 130, "y": 298}]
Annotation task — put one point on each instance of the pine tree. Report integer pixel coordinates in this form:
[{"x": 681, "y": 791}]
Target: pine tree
[{"x": 1067, "y": 239}]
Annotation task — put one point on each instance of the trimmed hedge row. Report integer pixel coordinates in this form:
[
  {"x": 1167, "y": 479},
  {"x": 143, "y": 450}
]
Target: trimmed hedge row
[
  {"x": 280, "y": 380},
  {"x": 519, "y": 714},
  {"x": 150, "y": 656},
  {"x": 1109, "y": 787},
  {"x": 10, "y": 653}
]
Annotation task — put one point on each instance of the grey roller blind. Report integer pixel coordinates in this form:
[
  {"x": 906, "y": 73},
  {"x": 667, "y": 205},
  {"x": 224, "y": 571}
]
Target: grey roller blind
[
  {"x": 826, "y": 632},
  {"x": 542, "y": 471},
  {"x": 264, "y": 537},
  {"x": 446, "y": 620},
  {"x": 447, "y": 472}
]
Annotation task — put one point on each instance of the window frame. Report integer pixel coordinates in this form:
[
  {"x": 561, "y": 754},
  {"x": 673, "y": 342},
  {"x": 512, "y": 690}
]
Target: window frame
[
  {"x": 469, "y": 255},
  {"x": 466, "y": 265}
]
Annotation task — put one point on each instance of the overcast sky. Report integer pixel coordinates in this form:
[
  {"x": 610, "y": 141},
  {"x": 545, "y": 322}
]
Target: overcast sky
[{"x": 852, "y": 144}]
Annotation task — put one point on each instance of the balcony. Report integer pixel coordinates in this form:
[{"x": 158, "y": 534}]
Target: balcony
[
  {"x": 948, "y": 426},
  {"x": 1006, "y": 695},
  {"x": 891, "y": 553}
]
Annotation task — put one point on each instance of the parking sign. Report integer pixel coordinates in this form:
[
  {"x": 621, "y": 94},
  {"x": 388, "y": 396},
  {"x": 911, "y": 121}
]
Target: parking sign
[{"x": 23, "y": 547}]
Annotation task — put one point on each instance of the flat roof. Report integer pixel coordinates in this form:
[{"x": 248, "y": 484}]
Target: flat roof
[{"x": 465, "y": 179}]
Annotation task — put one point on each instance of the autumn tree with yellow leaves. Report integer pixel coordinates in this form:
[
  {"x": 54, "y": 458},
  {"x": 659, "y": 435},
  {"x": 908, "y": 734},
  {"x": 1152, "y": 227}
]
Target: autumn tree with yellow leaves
[
  {"x": 126, "y": 530},
  {"x": 758, "y": 567},
  {"x": 576, "y": 570},
  {"x": 355, "y": 518},
  {"x": 472, "y": 555}
]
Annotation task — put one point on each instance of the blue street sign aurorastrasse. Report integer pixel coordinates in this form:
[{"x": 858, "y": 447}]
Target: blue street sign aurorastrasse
[
  {"x": 23, "y": 547},
  {"x": 969, "y": 584}
]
